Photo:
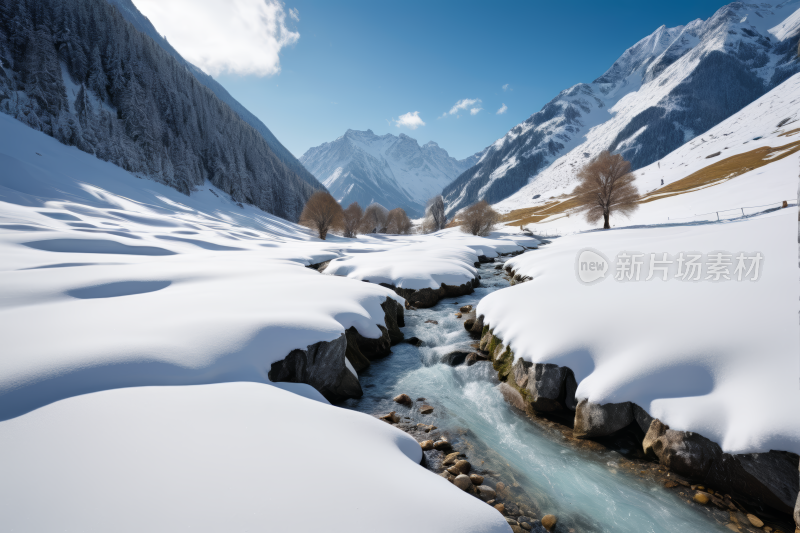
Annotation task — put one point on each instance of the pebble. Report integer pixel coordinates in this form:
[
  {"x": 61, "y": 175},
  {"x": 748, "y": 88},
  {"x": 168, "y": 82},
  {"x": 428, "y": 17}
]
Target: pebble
[
  {"x": 414, "y": 341},
  {"x": 490, "y": 502},
  {"x": 486, "y": 492},
  {"x": 392, "y": 418},
  {"x": 670, "y": 484},
  {"x": 426, "y": 445},
  {"x": 420, "y": 399},
  {"x": 426, "y": 409},
  {"x": 458, "y": 315},
  {"x": 755, "y": 520},
  {"x": 527, "y": 526},
  {"x": 462, "y": 482},
  {"x": 511, "y": 521},
  {"x": 466, "y": 309},
  {"x": 549, "y": 521},
  {"x": 403, "y": 399},
  {"x": 442, "y": 445},
  {"x": 463, "y": 466},
  {"x": 476, "y": 479},
  {"x": 701, "y": 498},
  {"x": 450, "y": 459},
  {"x": 455, "y": 471},
  {"x": 500, "y": 507}
]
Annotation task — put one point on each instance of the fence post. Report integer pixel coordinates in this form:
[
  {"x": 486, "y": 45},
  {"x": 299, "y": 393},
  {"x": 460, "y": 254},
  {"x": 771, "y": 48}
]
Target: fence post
[
  {"x": 742, "y": 211},
  {"x": 717, "y": 216}
]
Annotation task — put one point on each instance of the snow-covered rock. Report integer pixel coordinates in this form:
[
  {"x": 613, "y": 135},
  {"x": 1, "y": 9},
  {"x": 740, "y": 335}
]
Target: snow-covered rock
[
  {"x": 669, "y": 88},
  {"x": 394, "y": 171}
]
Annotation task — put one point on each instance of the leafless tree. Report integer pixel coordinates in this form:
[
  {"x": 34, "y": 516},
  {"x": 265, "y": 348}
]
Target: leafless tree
[
  {"x": 435, "y": 218},
  {"x": 478, "y": 219},
  {"x": 352, "y": 220},
  {"x": 322, "y": 213},
  {"x": 374, "y": 220},
  {"x": 605, "y": 187},
  {"x": 398, "y": 223}
]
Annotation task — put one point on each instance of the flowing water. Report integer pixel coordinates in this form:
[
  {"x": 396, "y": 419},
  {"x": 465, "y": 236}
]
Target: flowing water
[{"x": 587, "y": 490}]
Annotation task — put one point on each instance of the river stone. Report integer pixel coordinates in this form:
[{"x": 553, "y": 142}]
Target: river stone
[
  {"x": 466, "y": 309},
  {"x": 448, "y": 476},
  {"x": 485, "y": 492},
  {"x": 477, "y": 328},
  {"x": 321, "y": 365},
  {"x": 403, "y": 399},
  {"x": 426, "y": 409},
  {"x": 392, "y": 418},
  {"x": 463, "y": 466},
  {"x": 500, "y": 507},
  {"x": 454, "y": 470},
  {"x": 426, "y": 445},
  {"x": 641, "y": 417},
  {"x": 468, "y": 323},
  {"x": 454, "y": 358},
  {"x": 452, "y": 458},
  {"x": 462, "y": 482},
  {"x": 477, "y": 480},
  {"x": 442, "y": 445},
  {"x": 755, "y": 520},
  {"x": 511, "y": 521},
  {"x": 702, "y": 498},
  {"x": 434, "y": 322},
  {"x": 414, "y": 341},
  {"x": 513, "y": 396},
  {"x": 527, "y": 526},
  {"x": 545, "y": 385},
  {"x": 594, "y": 420},
  {"x": 549, "y": 521}
]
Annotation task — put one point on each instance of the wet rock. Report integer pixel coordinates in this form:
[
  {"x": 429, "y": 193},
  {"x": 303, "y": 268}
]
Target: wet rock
[
  {"x": 643, "y": 420},
  {"x": 454, "y": 358},
  {"x": 468, "y": 323},
  {"x": 462, "y": 482},
  {"x": 451, "y": 458},
  {"x": 486, "y": 492},
  {"x": 513, "y": 396},
  {"x": 593, "y": 420},
  {"x": 321, "y": 365},
  {"x": 458, "y": 315},
  {"x": 474, "y": 357},
  {"x": 442, "y": 445},
  {"x": 755, "y": 520},
  {"x": 477, "y": 480},
  {"x": 426, "y": 409},
  {"x": 702, "y": 498},
  {"x": 570, "y": 386},
  {"x": 426, "y": 445},
  {"x": 414, "y": 341},
  {"x": 500, "y": 507},
  {"x": 432, "y": 322},
  {"x": 455, "y": 471},
  {"x": 425, "y": 298},
  {"x": 420, "y": 399},
  {"x": 527, "y": 526},
  {"x": 448, "y": 476},
  {"x": 549, "y": 521},
  {"x": 511, "y": 521},
  {"x": 466, "y": 308},
  {"x": 392, "y": 418},
  {"x": 544, "y": 383},
  {"x": 498, "y": 267},
  {"x": 477, "y": 328},
  {"x": 463, "y": 466},
  {"x": 403, "y": 399}
]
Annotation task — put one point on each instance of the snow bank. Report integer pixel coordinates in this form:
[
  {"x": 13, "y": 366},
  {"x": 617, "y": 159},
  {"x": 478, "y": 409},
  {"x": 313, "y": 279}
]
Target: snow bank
[
  {"x": 115, "y": 291},
  {"x": 227, "y": 457},
  {"x": 719, "y": 359}
]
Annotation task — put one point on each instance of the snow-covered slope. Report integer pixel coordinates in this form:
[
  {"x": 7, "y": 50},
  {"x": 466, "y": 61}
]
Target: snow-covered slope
[
  {"x": 394, "y": 171},
  {"x": 669, "y": 88},
  {"x": 138, "y": 326},
  {"x": 746, "y": 164}
]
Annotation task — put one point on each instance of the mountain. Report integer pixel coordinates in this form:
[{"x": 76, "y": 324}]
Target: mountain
[
  {"x": 667, "y": 89},
  {"x": 393, "y": 170},
  {"x": 143, "y": 24},
  {"x": 81, "y": 73}
]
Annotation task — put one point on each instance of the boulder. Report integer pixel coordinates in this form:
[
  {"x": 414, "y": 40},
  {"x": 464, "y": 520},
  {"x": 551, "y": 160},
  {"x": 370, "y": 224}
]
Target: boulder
[
  {"x": 476, "y": 330},
  {"x": 321, "y": 365},
  {"x": 403, "y": 399},
  {"x": 513, "y": 396},
  {"x": 454, "y": 358},
  {"x": 462, "y": 482},
  {"x": 474, "y": 357},
  {"x": 594, "y": 420},
  {"x": 486, "y": 492},
  {"x": 549, "y": 521},
  {"x": 477, "y": 480},
  {"x": 643, "y": 420},
  {"x": 414, "y": 341},
  {"x": 468, "y": 323},
  {"x": 426, "y": 409},
  {"x": 570, "y": 386}
]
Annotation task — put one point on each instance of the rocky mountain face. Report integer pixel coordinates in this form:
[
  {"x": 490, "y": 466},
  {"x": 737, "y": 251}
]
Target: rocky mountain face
[
  {"x": 667, "y": 89},
  {"x": 394, "y": 171},
  {"x": 129, "y": 11}
]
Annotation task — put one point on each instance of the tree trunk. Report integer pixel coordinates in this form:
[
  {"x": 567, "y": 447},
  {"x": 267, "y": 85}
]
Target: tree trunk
[{"x": 606, "y": 225}]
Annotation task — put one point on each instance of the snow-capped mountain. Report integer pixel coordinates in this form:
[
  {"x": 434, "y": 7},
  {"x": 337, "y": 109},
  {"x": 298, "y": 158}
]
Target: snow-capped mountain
[
  {"x": 393, "y": 170},
  {"x": 667, "y": 89}
]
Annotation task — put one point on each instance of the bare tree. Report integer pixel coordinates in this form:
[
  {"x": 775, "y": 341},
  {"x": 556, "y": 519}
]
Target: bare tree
[
  {"x": 478, "y": 219},
  {"x": 398, "y": 223},
  {"x": 605, "y": 187},
  {"x": 322, "y": 213},
  {"x": 352, "y": 220},
  {"x": 374, "y": 220},
  {"x": 435, "y": 218}
]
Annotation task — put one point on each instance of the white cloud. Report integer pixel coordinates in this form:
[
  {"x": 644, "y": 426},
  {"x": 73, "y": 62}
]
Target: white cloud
[
  {"x": 475, "y": 110},
  {"x": 502, "y": 109},
  {"x": 505, "y": 87},
  {"x": 235, "y": 36},
  {"x": 410, "y": 120},
  {"x": 466, "y": 103},
  {"x": 294, "y": 13}
]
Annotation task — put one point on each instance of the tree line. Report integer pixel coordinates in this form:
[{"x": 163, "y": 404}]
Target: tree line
[{"x": 78, "y": 71}]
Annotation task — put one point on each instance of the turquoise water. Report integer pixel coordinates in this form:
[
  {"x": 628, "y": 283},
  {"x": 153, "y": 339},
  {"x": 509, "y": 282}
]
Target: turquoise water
[{"x": 587, "y": 490}]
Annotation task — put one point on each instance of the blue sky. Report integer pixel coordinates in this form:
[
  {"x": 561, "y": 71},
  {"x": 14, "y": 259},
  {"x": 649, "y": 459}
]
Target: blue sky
[{"x": 363, "y": 64}]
